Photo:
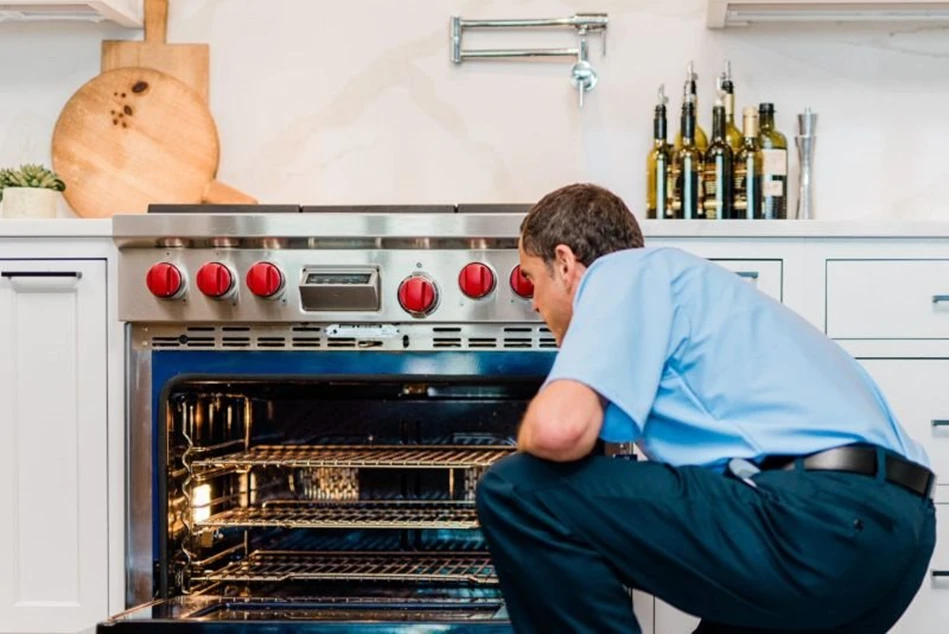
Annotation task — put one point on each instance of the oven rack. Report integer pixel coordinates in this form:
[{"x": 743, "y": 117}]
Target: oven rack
[
  {"x": 359, "y": 456},
  {"x": 292, "y": 565},
  {"x": 398, "y": 514}
]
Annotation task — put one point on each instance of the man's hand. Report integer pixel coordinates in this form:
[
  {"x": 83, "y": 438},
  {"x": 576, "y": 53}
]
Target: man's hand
[{"x": 562, "y": 422}]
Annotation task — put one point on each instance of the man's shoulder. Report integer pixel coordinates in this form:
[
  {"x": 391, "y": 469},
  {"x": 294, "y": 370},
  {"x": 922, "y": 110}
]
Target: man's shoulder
[
  {"x": 639, "y": 270},
  {"x": 662, "y": 257}
]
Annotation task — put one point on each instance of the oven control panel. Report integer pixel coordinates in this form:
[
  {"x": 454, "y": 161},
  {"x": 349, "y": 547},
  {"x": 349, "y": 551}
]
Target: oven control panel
[{"x": 249, "y": 285}]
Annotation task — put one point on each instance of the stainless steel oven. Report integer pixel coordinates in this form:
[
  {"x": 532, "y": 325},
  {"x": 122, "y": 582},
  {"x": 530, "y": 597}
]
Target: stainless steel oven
[{"x": 313, "y": 395}]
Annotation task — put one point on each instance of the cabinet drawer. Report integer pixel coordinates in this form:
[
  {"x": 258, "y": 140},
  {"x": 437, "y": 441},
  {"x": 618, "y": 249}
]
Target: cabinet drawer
[
  {"x": 929, "y": 611},
  {"x": 765, "y": 274},
  {"x": 916, "y": 392},
  {"x": 888, "y": 299}
]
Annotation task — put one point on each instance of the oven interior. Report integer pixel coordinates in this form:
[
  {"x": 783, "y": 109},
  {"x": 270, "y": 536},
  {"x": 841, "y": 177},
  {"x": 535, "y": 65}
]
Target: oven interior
[{"x": 334, "y": 498}]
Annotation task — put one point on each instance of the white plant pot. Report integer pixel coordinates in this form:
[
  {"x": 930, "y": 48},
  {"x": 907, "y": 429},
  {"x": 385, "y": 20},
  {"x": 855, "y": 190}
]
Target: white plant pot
[{"x": 30, "y": 202}]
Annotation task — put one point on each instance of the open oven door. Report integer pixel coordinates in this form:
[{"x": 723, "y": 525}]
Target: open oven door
[{"x": 211, "y": 615}]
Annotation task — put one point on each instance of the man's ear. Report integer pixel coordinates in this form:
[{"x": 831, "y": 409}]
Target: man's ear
[
  {"x": 568, "y": 266},
  {"x": 564, "y": 260}
]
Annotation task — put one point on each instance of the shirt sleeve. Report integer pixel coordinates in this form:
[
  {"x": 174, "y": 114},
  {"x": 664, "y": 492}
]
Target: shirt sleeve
[{"x": 618, "y": 340}]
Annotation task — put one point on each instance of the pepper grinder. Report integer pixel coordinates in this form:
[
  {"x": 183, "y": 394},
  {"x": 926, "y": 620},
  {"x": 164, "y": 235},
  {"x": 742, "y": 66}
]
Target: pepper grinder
[{"x": 805, "y": 141}]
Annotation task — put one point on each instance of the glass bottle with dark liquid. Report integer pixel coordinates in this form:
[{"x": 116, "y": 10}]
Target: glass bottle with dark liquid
[
  {"x": 727, "y": 86},
  {"x": 690, "y": 94},
  {"x": 659, "y": 165},
  {"x": 748, "y": 170},
  {"x": 687, "y": 169},
  {"x": 774, "y": 151},
  {"x": 718, "y": 175}
]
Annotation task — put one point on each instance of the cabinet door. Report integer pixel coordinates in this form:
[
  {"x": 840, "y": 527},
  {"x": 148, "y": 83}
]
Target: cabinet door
[
  {"x": 929, "y": 611},
  {"x": 53, "y": 482},
  {"x": 916, "y": 390}
]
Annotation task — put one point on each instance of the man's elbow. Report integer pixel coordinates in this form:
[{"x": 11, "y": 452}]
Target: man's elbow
[{"x": 563, "y": 440}]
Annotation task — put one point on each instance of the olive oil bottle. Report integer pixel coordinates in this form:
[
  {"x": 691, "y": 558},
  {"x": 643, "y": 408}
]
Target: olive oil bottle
[
  {"x": 726, "y": 85},
  {"x": 748, "y": 170},
  {"x": 718, "y": 175},
  {"x": 690, "y": 93},
  {"x": 687, "y": 169},
  {"x": 659, "y": 164},
  {"x": 774, "y": 150}
]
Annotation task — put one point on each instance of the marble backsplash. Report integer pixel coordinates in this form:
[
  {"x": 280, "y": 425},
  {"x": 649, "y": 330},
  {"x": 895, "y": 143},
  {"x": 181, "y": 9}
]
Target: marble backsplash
[{"x": 357, "y": 102}]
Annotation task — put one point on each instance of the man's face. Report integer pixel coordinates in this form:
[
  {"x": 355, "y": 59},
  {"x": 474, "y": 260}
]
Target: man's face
[{"x": 554, "y": 287}]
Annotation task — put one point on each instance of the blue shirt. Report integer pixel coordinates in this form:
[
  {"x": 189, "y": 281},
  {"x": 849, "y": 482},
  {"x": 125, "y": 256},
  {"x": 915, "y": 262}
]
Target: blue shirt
[{"x": 699, "y": 366}]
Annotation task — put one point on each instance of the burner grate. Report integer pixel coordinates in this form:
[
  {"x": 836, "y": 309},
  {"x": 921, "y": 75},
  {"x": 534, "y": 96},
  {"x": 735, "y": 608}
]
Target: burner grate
[
  {"x": 346, "y": 514},
  {"x": 288, "y": 565},
  {"x": 309, "y": 456}
]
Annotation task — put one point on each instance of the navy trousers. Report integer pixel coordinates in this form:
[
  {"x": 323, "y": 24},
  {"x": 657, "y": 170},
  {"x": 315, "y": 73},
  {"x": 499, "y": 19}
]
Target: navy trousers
[{"x": 805, "y": 551}]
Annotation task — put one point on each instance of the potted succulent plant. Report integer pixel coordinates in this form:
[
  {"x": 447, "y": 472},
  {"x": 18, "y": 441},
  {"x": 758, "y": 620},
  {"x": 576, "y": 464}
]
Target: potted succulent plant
[{"x": 32, "y": 191}]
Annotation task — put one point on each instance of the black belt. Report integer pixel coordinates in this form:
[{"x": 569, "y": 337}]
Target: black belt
[{"x": 862, "y": 459}]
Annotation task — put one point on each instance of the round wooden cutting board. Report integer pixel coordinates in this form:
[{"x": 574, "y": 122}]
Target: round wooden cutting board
[{"x": 135, "y": 136}]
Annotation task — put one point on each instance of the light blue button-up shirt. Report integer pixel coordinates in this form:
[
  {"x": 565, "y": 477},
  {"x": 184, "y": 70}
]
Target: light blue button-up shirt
[{"x": 699, "y": 366}]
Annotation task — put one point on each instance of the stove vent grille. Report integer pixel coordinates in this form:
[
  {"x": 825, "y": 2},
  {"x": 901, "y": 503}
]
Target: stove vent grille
[{"x": 315, "y": 337}]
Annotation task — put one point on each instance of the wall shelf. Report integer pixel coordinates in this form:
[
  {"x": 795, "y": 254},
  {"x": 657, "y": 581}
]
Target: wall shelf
[
  {"x": 730, "y": 13},
  {"x": 127, "y": 13}
]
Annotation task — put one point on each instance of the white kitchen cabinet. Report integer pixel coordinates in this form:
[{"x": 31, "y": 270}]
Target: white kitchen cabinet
[
  {"x": 888, "y": 299},
  {"x": 127, "y": 13},
  {"x": 916, "y": 391},
  {"x": 54, "y": 538},
  {"x": 929, "y": 612}
]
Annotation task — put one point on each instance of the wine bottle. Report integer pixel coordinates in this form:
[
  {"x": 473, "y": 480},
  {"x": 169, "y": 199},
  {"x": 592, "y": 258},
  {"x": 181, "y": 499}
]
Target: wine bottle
[
  {"x": 774, "y": 151},
  {"x": 687, "y": 169},
  {"x": 718, "y": 172},
  {"x": 690, "y": 93},
  {"x": 748, "y": 170},
  {"x": 732, "y": 133},
  {"x": 659, "y": 164}
]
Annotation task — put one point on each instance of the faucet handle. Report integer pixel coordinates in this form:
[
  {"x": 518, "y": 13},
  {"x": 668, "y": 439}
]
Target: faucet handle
[{"x": 592, "y": 22}]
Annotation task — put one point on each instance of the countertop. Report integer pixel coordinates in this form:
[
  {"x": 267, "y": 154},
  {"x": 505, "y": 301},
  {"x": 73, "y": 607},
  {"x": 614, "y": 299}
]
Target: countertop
[
  {"x": 56, "y": 228},
  {"x": 699, "y": 229}
]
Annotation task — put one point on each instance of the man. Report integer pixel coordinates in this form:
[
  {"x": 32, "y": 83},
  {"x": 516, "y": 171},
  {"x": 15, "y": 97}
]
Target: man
[{"x": 763, "y": 507}]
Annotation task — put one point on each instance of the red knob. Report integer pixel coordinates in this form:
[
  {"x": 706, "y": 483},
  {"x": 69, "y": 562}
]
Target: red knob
[
  {"x": 417, "y": 295},
  {"x": 215, "y": 280},
  {"x": 476, "y": 280},
  {"x": 520, "y": 284},
  {"x": 164, "y": 280},
  {"x": 264, "y": 279}
]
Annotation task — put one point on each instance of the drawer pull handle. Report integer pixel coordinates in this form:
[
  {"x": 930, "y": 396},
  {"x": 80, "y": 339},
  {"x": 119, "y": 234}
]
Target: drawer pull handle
[
  {"x": 754, "y": 275},
  {"x": 938, "y": 299},
  {"x": 941, "y": 422},
  {"x": 941, "y": 573},
  {"x": 13, "y": 274},
  {"x": 42, "y": 281}
]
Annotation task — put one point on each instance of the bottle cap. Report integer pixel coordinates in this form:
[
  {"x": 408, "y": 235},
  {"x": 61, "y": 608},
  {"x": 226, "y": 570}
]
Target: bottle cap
[{"x": 766, "y": 108}]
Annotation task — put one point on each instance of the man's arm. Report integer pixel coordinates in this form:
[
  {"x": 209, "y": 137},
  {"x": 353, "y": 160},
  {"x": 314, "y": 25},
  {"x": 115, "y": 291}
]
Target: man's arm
[
  {"x": 604, "y": 380},
  {"x": 562, "y": 422}
]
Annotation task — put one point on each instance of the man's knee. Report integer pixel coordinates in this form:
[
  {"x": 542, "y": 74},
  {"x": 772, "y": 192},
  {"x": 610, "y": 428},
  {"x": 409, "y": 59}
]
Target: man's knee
[{"x": 504, "y": 480}]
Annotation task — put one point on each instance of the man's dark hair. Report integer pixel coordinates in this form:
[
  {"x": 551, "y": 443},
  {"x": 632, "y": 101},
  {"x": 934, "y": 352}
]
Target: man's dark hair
[{"x": 589, "y": 219}]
